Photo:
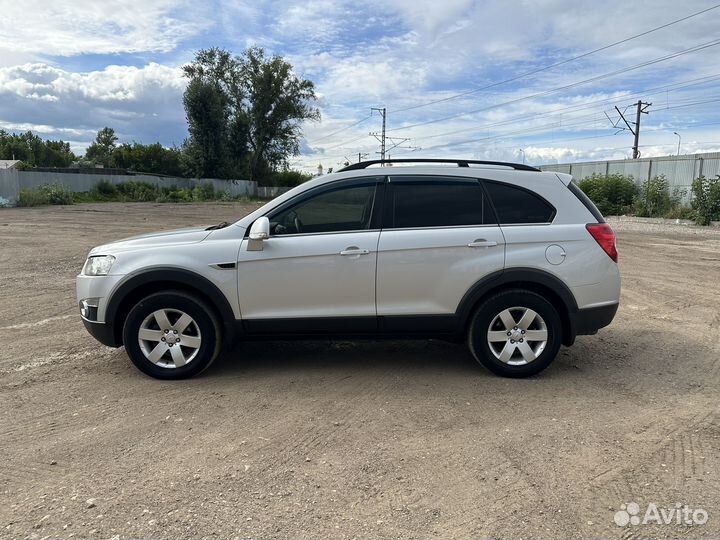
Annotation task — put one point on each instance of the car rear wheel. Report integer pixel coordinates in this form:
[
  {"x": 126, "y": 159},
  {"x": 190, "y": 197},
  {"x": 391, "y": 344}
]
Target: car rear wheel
[
  {"x": 171, "y": 335},
  {"x": 516, "y": 333}
]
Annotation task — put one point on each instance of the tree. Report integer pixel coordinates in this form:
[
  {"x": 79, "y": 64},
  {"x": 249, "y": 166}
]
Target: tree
[
  {"x": 217, "y": 146},
  {"x": 101, "y": 150},
  {"x": 149, "y": 158},
  {"x": 206, "y": 111},
  {"x": 244, "y": 112},
  {"x": 34, "y": 151},
  {"x": 278, "y": 102}
]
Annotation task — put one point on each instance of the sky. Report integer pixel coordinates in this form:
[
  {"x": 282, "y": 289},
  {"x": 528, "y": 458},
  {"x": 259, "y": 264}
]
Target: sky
[{"x": 458, "y": 78}]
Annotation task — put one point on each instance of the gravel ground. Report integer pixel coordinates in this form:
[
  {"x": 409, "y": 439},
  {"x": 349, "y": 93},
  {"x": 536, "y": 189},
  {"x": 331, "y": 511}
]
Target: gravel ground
[
  {"x": 662, "y": 226},
  {"x": 351, "y": 440}
]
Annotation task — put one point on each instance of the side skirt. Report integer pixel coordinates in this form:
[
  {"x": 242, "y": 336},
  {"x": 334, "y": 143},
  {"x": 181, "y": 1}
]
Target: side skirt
[{"x": 383, "y": 327}]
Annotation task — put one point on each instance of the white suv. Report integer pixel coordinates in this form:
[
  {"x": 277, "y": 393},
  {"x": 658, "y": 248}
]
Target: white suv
[{"x": 515, "y": 260}]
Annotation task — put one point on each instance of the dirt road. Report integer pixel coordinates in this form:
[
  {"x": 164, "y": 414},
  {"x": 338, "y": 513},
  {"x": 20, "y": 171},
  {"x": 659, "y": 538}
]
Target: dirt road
[{"x": 353, "y": 440}]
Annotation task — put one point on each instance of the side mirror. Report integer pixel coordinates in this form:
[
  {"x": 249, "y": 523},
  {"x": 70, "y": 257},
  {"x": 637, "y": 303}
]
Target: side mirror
[{"x": 260, "y": 230}]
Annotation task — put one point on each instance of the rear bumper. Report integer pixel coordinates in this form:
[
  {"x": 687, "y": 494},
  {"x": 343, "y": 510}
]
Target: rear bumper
[
  {"x": 102, "y": 332},
  {"x": 590, "y": 320}
]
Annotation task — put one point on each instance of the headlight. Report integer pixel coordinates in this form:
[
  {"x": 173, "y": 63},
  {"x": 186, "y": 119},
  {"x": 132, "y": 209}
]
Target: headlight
[{"x": 98, "y": 266}]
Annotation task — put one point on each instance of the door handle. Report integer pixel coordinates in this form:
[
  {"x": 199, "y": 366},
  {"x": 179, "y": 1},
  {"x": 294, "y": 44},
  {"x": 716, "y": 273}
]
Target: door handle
[
  {"x": 353, "y": 250},
  {"x": 481, "y": 242}
]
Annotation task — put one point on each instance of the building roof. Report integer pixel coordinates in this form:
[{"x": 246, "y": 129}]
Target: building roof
[{"x": 8, "y": 163}]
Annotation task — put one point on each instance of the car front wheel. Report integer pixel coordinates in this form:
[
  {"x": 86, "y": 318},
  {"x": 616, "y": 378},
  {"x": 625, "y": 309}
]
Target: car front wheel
[
  {"x": 516, "y": 333},
  {"x": 171, "y": 335}
]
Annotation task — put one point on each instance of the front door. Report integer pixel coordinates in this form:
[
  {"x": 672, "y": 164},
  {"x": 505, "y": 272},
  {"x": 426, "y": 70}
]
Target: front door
[{"x": 318, "y": 264}]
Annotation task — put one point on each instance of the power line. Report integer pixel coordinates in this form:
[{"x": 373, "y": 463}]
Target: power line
[
  {"x": 539, "y": 70},
  {"x": 576, "y": 107},
  {"x": 587, "y": 120},
  {"x": 542, "y": 129},
  {"x": 689, "y": 50},
  {"x": 344, "y": 143},
  {"x": 679, "y": 85},
  {"x": 340, "y": 130},
  {"x": 692, "y": 105}
]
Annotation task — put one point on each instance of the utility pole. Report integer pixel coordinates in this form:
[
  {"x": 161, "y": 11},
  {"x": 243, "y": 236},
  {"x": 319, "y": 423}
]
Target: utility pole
[
  {"x": 381, "y": 138},
  {"x": 362, "y": 155},
  {"x": 641, "y": 109}
]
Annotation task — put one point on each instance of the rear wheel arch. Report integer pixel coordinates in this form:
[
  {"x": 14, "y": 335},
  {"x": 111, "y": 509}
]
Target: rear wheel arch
[
  {"x": 531, "y": 279},
  {"x": 130, "y": 292}
]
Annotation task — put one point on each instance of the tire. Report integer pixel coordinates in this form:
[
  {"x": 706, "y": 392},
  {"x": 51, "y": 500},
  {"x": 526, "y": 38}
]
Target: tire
[
  {"x": 180, "y": 344},
  {"x": 524, "y": 352}
]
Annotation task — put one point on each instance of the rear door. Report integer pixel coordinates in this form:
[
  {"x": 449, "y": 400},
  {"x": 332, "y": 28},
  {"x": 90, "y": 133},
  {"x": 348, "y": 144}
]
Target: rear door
[{"x": 439, "y": 237}]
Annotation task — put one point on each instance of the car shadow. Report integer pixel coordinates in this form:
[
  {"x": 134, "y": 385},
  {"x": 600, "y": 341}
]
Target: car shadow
[{"x": 348, "y": 356}]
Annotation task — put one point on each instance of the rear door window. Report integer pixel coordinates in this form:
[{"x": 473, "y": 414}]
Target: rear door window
[{"x": 422, "y": 201}]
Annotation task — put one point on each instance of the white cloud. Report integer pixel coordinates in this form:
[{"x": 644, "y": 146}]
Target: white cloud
[
  {"x": 140, "y": 103},
  {"x": 114, "y": 83},
  {"x": 69, "y": 27}
]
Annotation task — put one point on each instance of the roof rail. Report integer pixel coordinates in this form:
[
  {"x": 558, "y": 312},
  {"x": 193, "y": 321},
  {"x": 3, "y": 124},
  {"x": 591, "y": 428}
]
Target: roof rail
[{"x": 458, "y": 162}]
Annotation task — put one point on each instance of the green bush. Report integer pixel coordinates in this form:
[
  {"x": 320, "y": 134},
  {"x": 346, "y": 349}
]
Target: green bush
[
  {"x": 32, "y": 197},
  {"x": 204, "y": 192},
  {"x": 137, "y": 191},
  {"x": 654, "y": 198},
  {"x": 706, "y": 199},
  {"x": 288, "y": 178},
  {"x": 46, "y": 194},
  {"x": 681, "y": 212},
  {"x": 613, "y": 194},
  {"x": 104, "y": 190},
  {"x": 176, "y": 194},
  {"x": 58, "y": 194}
]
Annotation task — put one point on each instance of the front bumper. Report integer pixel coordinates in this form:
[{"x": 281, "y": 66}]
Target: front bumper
[
  {"x": 93, "y": 293},
  {"x": 97, "y": 290},
  {"x": 102, "y": 332}
]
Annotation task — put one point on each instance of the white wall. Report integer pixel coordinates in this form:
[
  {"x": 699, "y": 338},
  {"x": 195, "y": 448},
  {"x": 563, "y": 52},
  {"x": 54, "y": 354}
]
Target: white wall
[
  {"x": 9, "y": 187},
  {"x": 12, "y": 181}
]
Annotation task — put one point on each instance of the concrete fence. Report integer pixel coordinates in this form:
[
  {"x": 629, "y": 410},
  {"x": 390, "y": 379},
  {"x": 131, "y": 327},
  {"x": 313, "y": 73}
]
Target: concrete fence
[
  {"x": 680, "y": 171},
  {"x": 9, "y": 187},
  {"x": 12, "y": 181}
]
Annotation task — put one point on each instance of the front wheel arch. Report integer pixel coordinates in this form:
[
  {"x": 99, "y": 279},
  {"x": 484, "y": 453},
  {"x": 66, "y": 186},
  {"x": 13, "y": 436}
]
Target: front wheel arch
[
  {"x": 130, "y": 292},
  {"x": 196, "y": 339}
]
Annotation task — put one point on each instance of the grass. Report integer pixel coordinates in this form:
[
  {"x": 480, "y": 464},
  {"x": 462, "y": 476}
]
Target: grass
[
  {"x": 48, "y": 194},
  {"x": 125, "y": 192}
]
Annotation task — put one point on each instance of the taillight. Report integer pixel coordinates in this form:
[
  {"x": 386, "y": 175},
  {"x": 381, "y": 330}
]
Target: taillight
[{"x": 605, "y": 236}]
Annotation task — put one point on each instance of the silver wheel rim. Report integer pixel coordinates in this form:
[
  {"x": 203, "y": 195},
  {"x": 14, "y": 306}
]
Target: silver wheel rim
[
  {"x": 517, "y": 336},
  {"x": 169, "y": 338}
]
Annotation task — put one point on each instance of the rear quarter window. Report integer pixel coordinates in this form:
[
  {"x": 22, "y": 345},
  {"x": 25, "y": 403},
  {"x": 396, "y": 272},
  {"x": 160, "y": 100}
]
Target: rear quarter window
[
  {"x": 580, "y": 194},
  {"x": 515, "y": 205}
]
